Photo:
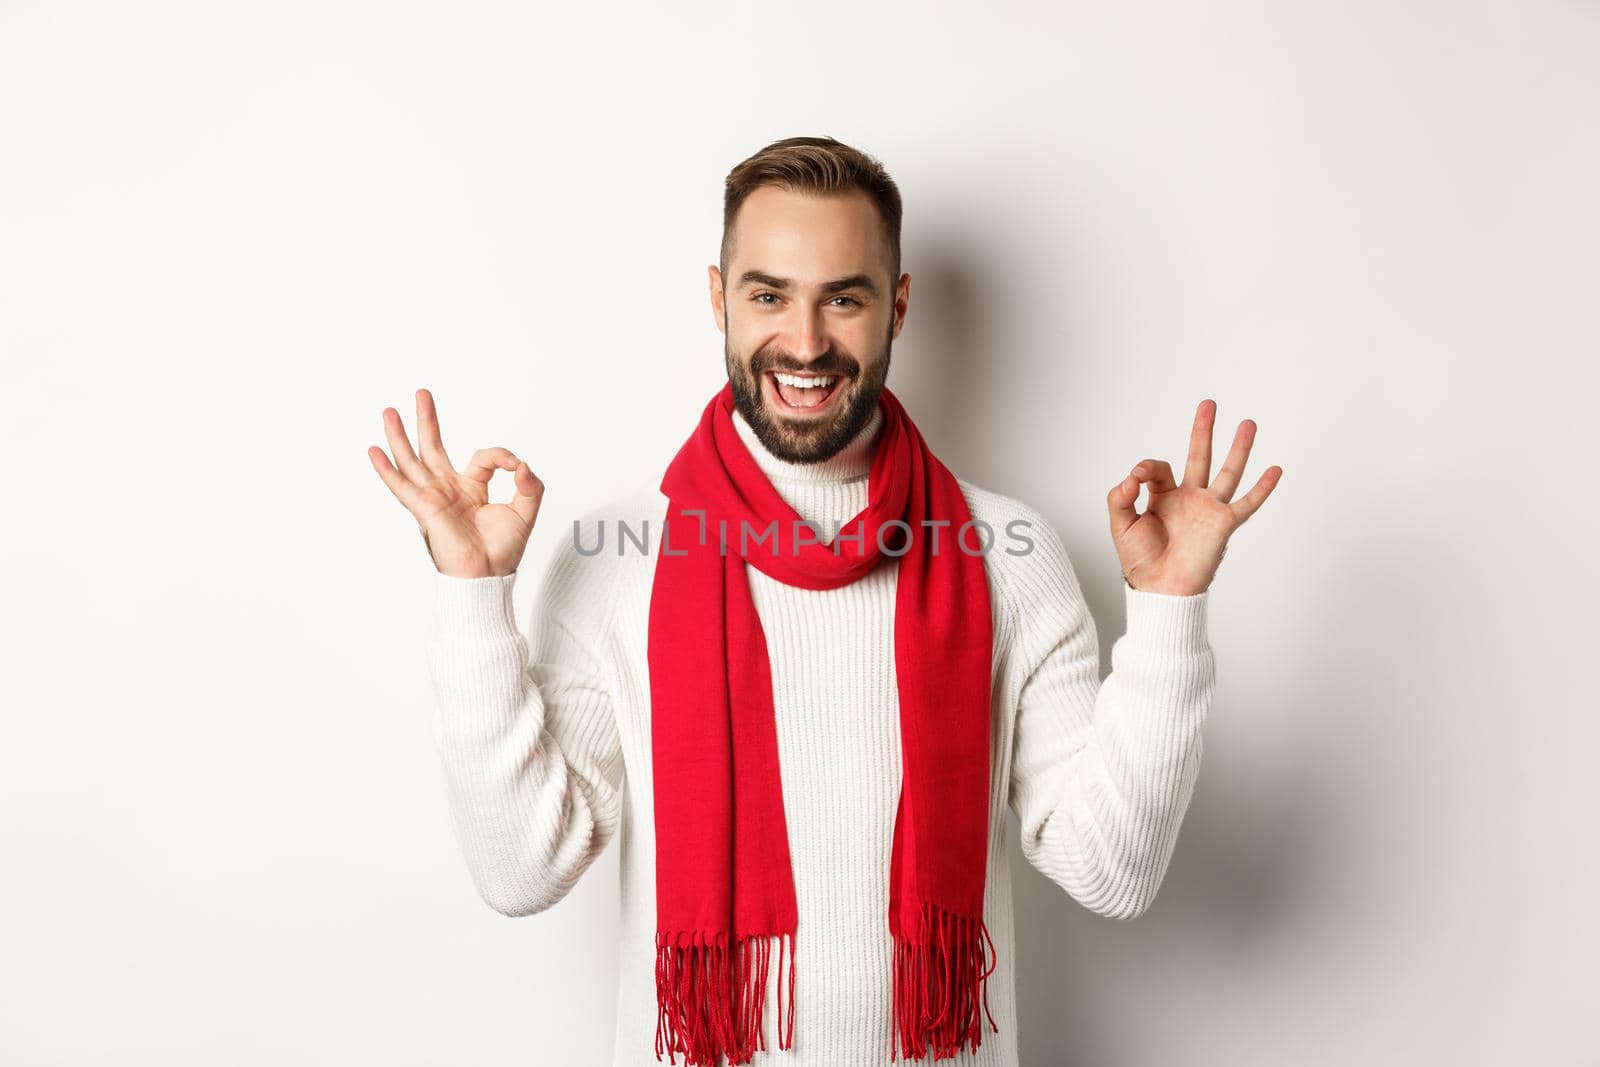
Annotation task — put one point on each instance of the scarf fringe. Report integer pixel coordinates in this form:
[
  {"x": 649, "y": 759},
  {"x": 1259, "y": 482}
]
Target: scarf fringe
[
  {"x": 937, "y": 973},
  {"x": 709, "y": 1002}
]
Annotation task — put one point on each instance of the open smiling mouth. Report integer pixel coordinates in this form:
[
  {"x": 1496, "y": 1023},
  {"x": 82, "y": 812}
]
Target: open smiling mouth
[{"x": 806, "y": 394}]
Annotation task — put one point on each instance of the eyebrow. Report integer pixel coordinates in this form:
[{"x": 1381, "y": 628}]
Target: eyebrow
[{"x": 853, "y": 281}]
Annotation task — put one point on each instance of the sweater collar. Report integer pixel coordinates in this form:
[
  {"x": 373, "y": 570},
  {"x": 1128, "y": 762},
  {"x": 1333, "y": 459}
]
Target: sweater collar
[{"x": 851, "y": 462}]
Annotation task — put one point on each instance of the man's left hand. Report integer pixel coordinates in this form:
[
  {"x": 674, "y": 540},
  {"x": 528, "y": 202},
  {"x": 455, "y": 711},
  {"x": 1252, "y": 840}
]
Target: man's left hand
[{"x": 1176, "y": 545}]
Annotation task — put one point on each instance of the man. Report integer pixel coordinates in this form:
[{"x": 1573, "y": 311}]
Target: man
[{"x": 820, "y": 709}]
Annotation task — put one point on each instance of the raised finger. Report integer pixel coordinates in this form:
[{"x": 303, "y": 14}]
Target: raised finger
[
  {"x": 1157, "y": 473},
  {"x": 1227, "y": 482},
  {"x": 485, "y": 461},
  {"x": 428, "y": 439},
  {"x": 400, "y": 445},
  {"x": 1247, "y": 505},
  {"x": 1197, "y": 471},
  {"x": 398, "y": 484}
]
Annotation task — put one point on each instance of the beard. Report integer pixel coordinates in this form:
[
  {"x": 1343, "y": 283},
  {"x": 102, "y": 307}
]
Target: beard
[{"x": 810, "y": 440}]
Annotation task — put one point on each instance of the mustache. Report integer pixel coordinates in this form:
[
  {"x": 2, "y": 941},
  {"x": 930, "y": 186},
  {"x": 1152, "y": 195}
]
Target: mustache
[{"x": 832, "y": 363}]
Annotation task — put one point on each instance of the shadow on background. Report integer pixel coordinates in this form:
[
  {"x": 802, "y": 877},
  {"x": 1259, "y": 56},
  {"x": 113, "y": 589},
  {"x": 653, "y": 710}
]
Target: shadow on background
[{"x": 1245, "y": 836}]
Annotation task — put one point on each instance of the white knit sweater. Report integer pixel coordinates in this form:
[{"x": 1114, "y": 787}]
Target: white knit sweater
[{"x": 546, "y": 749}]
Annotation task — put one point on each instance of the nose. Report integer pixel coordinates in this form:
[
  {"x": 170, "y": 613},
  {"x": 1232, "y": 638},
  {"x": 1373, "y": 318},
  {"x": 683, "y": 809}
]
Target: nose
[{"x": 808, "y": 339}]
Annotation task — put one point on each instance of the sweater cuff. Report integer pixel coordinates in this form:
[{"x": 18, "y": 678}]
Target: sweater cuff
[
  {"x": 479, "y": 608},
  {"x": 1167, "y": 622}
]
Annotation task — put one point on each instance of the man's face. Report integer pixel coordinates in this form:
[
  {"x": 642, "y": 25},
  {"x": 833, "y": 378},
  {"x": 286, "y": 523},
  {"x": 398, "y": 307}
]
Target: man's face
[{"x": 809, "y": 309}]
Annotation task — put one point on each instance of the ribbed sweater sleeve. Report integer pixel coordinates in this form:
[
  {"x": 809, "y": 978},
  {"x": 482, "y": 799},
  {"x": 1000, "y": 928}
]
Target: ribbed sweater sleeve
[
  {"x": 1102, "y": 773},
  {"x": 527, "y": 736}
]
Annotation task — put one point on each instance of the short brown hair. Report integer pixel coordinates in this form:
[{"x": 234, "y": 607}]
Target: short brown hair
[{"x": 815, "y": 165}]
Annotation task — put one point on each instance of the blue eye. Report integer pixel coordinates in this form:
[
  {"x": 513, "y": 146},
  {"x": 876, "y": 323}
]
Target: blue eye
[{"x": 759, "y": 298}]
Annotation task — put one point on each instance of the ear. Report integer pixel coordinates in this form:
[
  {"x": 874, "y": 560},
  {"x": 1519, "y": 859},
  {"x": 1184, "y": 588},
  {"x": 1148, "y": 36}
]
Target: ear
[
  {"x": 902, "y": 302},
  {"x": 719, "y": 312}
]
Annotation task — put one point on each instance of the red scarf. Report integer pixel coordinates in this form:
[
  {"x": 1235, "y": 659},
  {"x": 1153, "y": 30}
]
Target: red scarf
[{"x": 724, "y": 886}]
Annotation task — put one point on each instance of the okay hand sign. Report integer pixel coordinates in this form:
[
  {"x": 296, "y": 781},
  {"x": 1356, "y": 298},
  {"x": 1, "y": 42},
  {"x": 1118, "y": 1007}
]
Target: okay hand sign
[
  {"x": 1176, "y": 544},
  {"x": 467, "y": 536}
]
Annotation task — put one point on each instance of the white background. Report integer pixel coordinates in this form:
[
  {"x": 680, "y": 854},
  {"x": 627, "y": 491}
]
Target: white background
[{"x": 231, "y": 234}]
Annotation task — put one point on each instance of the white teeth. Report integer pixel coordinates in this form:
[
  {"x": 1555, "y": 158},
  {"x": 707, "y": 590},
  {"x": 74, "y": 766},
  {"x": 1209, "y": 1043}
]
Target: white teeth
[{"x": 803, "y": 383}]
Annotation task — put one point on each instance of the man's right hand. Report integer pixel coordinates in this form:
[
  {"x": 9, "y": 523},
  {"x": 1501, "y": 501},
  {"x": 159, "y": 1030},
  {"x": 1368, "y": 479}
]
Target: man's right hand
[{"x": 467, "y": 536}]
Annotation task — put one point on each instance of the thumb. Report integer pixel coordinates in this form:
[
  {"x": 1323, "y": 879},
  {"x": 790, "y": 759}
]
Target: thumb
[
  {"x": 1120, "y": 503},
  {"x": 528, "y": 492}
]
